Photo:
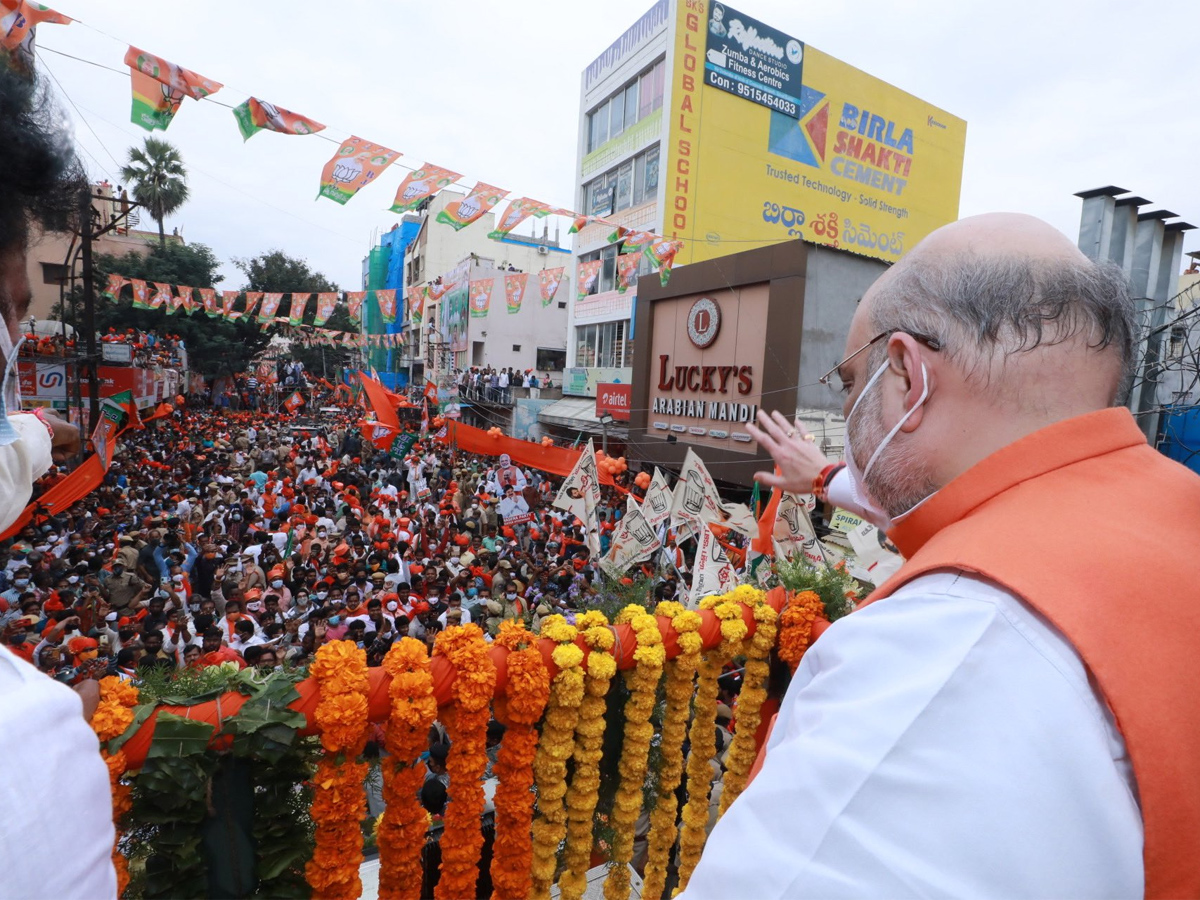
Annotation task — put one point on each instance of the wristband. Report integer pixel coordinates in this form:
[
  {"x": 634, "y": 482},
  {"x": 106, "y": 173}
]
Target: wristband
[
  {"x": 821, "y": 482},
  {"x": 40, "y": 414}
]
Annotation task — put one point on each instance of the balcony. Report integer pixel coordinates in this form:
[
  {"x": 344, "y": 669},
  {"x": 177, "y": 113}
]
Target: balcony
[{"x": 507, "y": 397}]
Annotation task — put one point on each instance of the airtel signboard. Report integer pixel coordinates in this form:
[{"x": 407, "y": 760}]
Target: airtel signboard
[{"x": 614, "y": 399}]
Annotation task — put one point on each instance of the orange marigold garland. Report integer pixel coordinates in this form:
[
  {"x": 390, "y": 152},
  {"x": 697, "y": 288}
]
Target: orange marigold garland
[
  {"x": 643, "y": 689},
  {"x": 401, "y": 832},
  {"x": 796, "y": 622},
  {"x": 112, "y": 716},
  {"x": 525, "y": 696},
  {"x": 744, "y": 749},
  {"x": 589, "y": 743},
  {"x": 339, "y": 802},
  {"x": 466, "y": 722},
  {"x": 680, "y": 673},
  {"x": 554, "y": 749}
]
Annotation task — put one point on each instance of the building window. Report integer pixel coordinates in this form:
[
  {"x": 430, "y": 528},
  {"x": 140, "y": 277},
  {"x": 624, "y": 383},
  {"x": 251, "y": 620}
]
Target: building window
[
  {"x": 632, "y": 183},
  {"x": 551, "y": 360},
  {"x": 54, "y": 273},
  {"x": 604, "y": 345},
  {"x": 628, "y": 106},
  {"x": 516, "y": 348}
]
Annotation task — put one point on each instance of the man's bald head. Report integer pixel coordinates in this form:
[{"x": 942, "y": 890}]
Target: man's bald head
[{"x": 990, "y": 288}]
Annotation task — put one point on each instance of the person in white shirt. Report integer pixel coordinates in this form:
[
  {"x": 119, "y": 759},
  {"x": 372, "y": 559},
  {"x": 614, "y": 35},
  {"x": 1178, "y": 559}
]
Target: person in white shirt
[{"x": 454, "y": 602}]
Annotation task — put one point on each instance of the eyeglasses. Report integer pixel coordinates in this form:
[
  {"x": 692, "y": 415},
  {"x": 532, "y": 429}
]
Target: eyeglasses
[{"x": 833, "y": 378}]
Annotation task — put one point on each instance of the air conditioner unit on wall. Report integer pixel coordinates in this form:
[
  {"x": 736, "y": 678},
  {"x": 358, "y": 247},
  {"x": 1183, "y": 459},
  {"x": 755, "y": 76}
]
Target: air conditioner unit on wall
[{"x": 543, "y": 250}]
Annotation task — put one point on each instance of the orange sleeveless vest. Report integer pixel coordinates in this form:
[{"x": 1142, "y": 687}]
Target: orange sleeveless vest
[{"x": 1100, "y": 534}]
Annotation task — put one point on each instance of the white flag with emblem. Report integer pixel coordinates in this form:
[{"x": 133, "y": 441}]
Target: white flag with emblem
[
  {"x": 697, "y": 501},
  {"x": 713, "y": 572},
  {"x": 633, "y": 541},
  {"x": 657, "y": 505}
]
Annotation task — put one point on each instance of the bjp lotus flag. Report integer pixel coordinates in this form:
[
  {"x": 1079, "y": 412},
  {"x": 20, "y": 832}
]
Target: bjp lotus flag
[
  {"x": 514, "y": 290},
  {"x": 255, "y": 115},
  {"x": 627, "y": 264},
  {"x": 587, "y": 276},
  {"x": 160, "y": 86},
  {"x": 354, "y": 302},
  {"x": 18, "y": 19},
  {"x": 424, "y": 182},
  {"x": 439, "y": 290},
  {"x": 294, "y": 402},
  {"x": 116, "y": 283},
  {"x": 326, "y": 304},
  {"x": 208, "y": 299},
  {"x": 581, "y": 221},
  {"x": 416, "y": 303},
  {"x": 161, "y": 295},
  {"x": 141, "y": 293},
  {"x": 268, "y": 307},
  {"x": 662, "y": 252},
  {"x": 356, "y": 164},
  {"x": 387, "y": 305},
  {"x": 184, "y": 301},
  {"x": 480, "y": 293},
  {"x": 458, "y": 214},
  {"x": 635, "y": 240},
  {"x": 549, "y": 280},
  {"x": 296, "y": 310},
  {"x": 228, "y": 299},
  {"x": 517, "y": 212}
]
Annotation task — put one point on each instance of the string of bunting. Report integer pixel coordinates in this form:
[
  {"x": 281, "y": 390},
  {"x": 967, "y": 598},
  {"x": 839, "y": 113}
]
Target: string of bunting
[{"x": 159, "y": 88}]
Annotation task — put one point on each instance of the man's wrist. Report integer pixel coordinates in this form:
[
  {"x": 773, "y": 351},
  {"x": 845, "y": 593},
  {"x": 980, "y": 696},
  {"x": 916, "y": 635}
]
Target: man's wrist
[{"x": 820, "y": 484}]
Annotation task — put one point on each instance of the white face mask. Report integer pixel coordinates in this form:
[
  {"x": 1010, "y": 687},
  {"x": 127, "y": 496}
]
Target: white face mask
[
  {"x": 277, "y": 583},
  {"x": 393, "y": 606},
  {"x": 868, "y": 505}
]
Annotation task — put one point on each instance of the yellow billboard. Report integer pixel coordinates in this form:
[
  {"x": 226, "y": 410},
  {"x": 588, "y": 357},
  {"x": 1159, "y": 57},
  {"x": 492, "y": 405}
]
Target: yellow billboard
[{"x": 841, "y": 158}]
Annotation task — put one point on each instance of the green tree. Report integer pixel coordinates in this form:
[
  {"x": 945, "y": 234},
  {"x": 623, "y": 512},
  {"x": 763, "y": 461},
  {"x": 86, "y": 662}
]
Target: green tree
[
  {"x": 276, "y": 271},
  {"x": 215, "y": 346},
  {"x": 159, "y": 180}
]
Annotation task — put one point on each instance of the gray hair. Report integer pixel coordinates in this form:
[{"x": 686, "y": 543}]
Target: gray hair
[{"x": 981, "y": 307}]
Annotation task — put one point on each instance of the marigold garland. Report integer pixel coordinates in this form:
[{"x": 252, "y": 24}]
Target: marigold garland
[
  {"x": 554, "y": 749},
  {"x": 466, "y": 722},
  {"x": 401, "y": 831},
  {"x": 525, "y": 696},
  {"x": 112, "y": 716},
  {"x": 650, "y": 658},
  {"x": 589, "y": 741},
  {"x": 339, "y": 802},
  {"x": 744, "y": 749},
  {"x": 679, "y": 690},
  {"x": 796, "y": 622}
]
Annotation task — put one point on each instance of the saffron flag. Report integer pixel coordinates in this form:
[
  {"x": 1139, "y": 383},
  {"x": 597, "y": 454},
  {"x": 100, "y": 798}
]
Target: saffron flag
[
  {"x": 116, "y": 413},
  {"x": 424, "y": 182},
  {"x": 17, "y": 21},
  {"x": 252, "y": 298},
  {"x": 160, "y": 86},
  {"x": 208, "y": 299},
  {"x": 517, "y": 212},
  {"x": 354, "y": 302},
  {"x": 296, "y": 310},
  {"x": 141, "y": 293},
  {"x": 294, "y": 402},
  {"x": 255, "y": 115},
  {"x": 581, "y": 222},
  {"x": 184, "y": 300},
  {"x": 424, "y": 415},
  {"x": 440, "y": 288},
  {"x": 387, "y": 305},
  {"x": 355, "y": 165},
  {"x": 514, "y": 290},
  {"x": 268, "y": 307},
  {"x": 431, "y": 391},
  {"x": 116, "y": 283},
  {"x": 588, "y": 275},
  {"x": 627, "y": 264},
  {"x": 416, "y": 303},
  {"x": 580, "y": 496},
  {"x": 161, "y": 295},
  {"x": 458, "y": 214},
  {"x": 549, "y": 280},
  {"x": 326, "y": 304},
  {"x": 632, "y": 240},
  {"x": 662, "y": 253},
  {"x": 228, "y": 299},
  {"x": 481, "y": 297}
]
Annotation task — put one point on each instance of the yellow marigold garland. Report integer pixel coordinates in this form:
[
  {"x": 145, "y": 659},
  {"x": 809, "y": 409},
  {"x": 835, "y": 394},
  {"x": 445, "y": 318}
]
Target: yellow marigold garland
[
  {"x": 466, "y": 722},
  {"x": 525, "y": 696},
  {"x": 112, "y": 716},
  {"x": 796, "y": 622},
  {"x": 401, "y": 830},
  {"x": 339, "y": 802},
  {"x": 589, "y": 740},
  {"x": 554, "y": 749},
  {"x": 650, "y": 658},
  {"x": 680, "y": 673},
  {"x": 743, "y": 750}
]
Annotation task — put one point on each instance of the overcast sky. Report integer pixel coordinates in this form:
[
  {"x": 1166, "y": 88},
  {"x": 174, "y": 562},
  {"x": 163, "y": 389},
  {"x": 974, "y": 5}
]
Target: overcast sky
[{"x": 1059, "y": 96}]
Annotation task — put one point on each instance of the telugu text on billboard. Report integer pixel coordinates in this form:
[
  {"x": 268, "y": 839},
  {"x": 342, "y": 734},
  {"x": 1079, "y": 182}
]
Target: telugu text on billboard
[
  {"x": 862, "y": 166},
  {"x": 753, "y": 61}
]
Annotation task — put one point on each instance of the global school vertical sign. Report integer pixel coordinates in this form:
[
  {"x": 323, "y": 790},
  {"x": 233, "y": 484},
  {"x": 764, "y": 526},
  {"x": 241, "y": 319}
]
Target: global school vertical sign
[{"x": 771, "y": 140}]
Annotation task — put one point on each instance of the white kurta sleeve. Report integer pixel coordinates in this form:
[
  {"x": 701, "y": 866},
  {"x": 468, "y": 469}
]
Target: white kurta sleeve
[
  {"x": 942, "y": 742},
  {"x": 21, "y": 463}
]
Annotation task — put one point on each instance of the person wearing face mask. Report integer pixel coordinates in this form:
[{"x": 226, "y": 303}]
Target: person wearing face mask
[
  {"x": 985, "y": 723},
  {"x": 123, "y": 589},
  {"x": 278, "y": 587}
]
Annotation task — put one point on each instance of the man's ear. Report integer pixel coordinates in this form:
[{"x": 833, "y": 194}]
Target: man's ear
[{"x": 906, "y": 361}]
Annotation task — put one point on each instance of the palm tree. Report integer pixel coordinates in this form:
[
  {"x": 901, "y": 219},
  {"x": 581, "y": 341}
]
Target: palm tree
[{"x": 159, "y": 180}]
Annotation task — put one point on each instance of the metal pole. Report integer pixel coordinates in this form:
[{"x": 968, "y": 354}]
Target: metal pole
[
  {"x": 604, "y": 438},
  {"x": 89, "y": 308}
]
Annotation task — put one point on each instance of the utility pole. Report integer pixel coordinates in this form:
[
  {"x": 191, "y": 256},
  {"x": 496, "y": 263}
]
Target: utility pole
[{"x": 89, "y": 308}]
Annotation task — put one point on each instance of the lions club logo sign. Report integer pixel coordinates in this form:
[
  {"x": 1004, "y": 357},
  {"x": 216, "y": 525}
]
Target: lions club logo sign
[{"x": 704, "y": 322}]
